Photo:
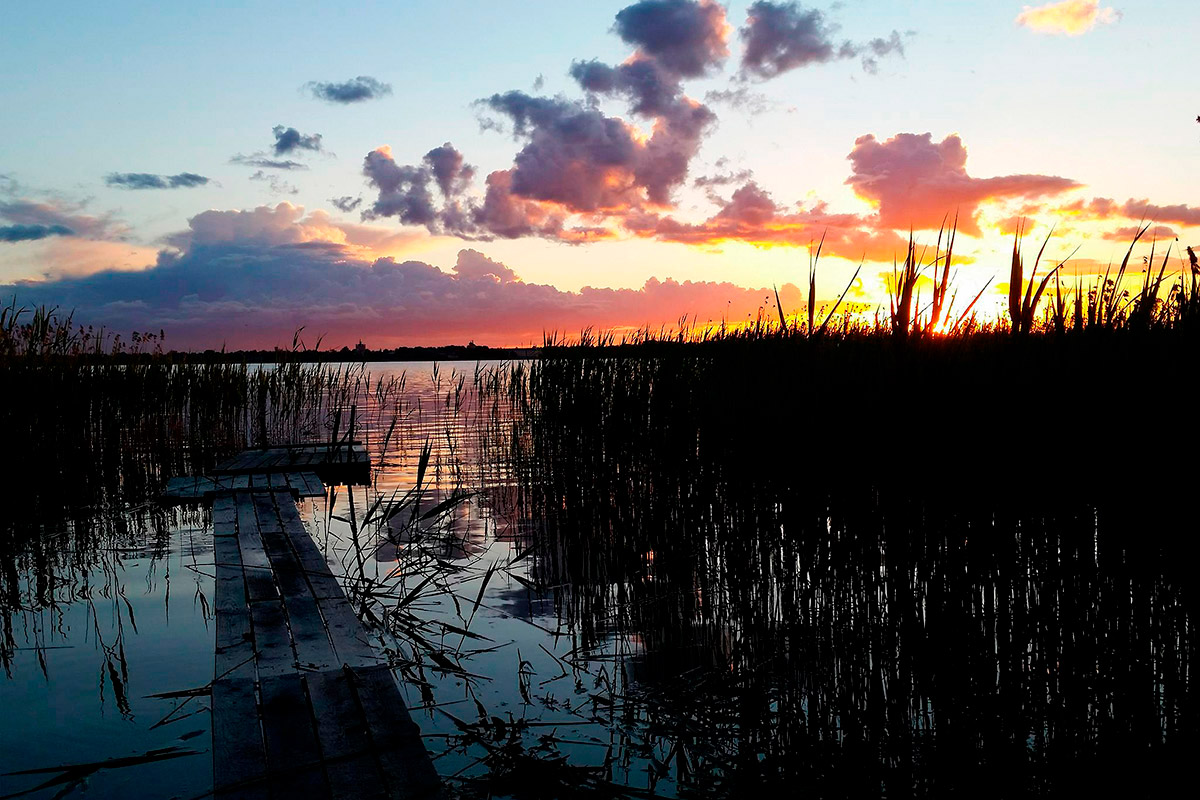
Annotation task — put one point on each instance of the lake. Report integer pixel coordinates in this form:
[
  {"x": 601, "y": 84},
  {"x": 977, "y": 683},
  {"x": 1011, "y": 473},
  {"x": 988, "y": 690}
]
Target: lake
[{"x": 585, "y": 591}]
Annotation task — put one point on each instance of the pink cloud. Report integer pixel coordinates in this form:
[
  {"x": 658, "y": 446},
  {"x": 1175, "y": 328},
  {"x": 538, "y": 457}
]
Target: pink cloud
[
  {"x": 251, "y": 278},
  {"x": 751, "y": 216},
  {"x": 914, "y": 182}
]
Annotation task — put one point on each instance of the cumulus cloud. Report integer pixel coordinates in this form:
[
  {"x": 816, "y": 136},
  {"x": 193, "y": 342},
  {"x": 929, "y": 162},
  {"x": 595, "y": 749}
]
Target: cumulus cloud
[
  {"x": 579, "y": 170},
  {"x": 403, "y": 189},
  {"x": 780, "y": 37},
  {"x": 474, "y": 265},
  {"x": 31, "y": 233},
  {"x": 355, "y": 90},
  {"x": 1069, "y": 17},
  {"x": 450, "y": 171},
  {"x": 914, "y": 182},
  {"x": 650, "y": 90},
  {"x": 145, "y": 180},
  {"x": 288, "y": 140},
  {"x": 586, "y": 161},
  {"x": 250, "y": 278},
  {"x": 688, "y": 38}
]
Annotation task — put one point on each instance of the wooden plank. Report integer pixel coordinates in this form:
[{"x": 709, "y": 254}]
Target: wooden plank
[
  {"x": 349, "y": 638},
  {"x": 186, "y": 487},
  {"x": 293, "y": 755},
  {"x": 235, "y": 656},
  {"x": 396, "y": 739},
  {"x": 239, "y": 754},
  {"x": 314, "y": 651},
  {"x": 315, "y": 487},
  {"x": 267, "y": 511},
  {"x": 272, "y": 643},
  {"x": 230, "y": 586},
  {"x": 260, "y": 586},
  {"x": 224, "y": 516},
  {"x": 350, "y": 763}
]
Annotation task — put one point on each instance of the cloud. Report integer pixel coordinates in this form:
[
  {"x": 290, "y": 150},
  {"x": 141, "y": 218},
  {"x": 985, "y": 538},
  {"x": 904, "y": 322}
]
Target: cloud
[
  {"x": 650, "y": 89},
  {"x": 722, "y": 178},
  {"x": 579, "y": 170},
  {"x": 914, "y": 182},
  {"x": 288, "y": 140},
  {"x": 1093, "y": 209},
  {"x": 31, "y": 233},
  {"x": 474, "y": 265},
  {"x": 1126, "y": 233},
  {"x": 741, "y": 98},
  {"x": 275, "y": 184},
  {"x": 355, "y": 90},
  {"x": 684, "y": 37},
  {"x": 1179, "y": 213},
  {"x": 262, "y": 161},
  {"x": 751, "y": 216},
  {"x": 450, "y": 171},
  {"x": 403, "y": 190},
  {"x": 59, "y": 238},
  {"x": 145, "y": 180},
  {"x": 1069, "y": 17},
  {"x": 60, "y": 215},
  {"x": 780, "y": 37},
  {"x": 346, "y": 203},
  {"x": 251, "y": 278}
]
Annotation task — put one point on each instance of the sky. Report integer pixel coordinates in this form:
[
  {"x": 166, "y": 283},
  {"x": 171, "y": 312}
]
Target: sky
[{"x": 423, "y": 173}]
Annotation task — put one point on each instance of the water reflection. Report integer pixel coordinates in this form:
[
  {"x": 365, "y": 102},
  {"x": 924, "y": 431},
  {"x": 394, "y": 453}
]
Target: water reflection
[
  {"x": 575, "y": 610},
  {"x": 98, "y": 614}
]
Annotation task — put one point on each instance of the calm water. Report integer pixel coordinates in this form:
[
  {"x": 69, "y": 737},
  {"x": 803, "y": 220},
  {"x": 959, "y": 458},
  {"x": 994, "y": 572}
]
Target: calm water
[{"x": 675, "y": 628}]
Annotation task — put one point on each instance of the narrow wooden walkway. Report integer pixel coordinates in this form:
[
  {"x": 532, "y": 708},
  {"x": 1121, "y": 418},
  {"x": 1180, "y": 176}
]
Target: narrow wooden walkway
[
  {"x": 302, "y": 705},
  {"x": 341, "y": 462},
  {"x": 300, "y": 484}
]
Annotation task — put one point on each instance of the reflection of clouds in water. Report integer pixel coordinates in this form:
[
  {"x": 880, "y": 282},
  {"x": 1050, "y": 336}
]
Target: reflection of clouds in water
[
  {"x": 459, "y": 533},
  {"x": 523, "y": 603}
]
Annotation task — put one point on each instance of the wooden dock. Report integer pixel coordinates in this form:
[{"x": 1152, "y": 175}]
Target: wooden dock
[
  {"x": 303, "y": 706},
  {"x": 341, "y": 462},
  {"x": 300, "y": 484}
]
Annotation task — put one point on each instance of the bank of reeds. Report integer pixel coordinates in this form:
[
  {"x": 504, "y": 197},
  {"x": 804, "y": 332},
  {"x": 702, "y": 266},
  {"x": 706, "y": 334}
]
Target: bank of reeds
[
  {"x": 928, "y": 557},
  {"x": 87, "y": 426}
]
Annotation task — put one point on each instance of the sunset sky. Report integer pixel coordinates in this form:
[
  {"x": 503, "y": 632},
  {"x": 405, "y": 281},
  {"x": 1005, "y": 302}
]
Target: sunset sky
[{"x": 438, "y": 172}]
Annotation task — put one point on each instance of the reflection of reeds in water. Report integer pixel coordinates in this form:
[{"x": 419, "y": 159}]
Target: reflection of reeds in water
[
  {"x": 828, "y": 592},
  {"x": 92, "y": 421}
]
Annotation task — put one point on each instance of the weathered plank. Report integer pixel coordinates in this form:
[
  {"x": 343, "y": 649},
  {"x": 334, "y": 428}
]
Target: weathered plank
[
  {"x": 350, "y": 762},
  {"x": 396, "y": 738},
  {"x": 224, "y": 516},
  {"x": 340, "y": 462},
  {"x": 273, "y": 652},
  {"x": 303, "y": 705},
  {"x": 299, "y": 484},
  {"x": 239, "y": 755},
  {"x": 293, "y": 755}
]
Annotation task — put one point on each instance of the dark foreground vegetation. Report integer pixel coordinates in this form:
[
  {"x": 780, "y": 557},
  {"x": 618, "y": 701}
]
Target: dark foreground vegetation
[{"x": 925, "y": 555}]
